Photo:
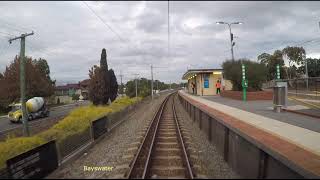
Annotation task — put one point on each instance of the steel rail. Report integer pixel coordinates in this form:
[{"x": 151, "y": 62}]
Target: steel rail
[{"x": 155, "y": 119}]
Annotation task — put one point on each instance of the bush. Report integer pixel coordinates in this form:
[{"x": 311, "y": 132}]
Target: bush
[
  {"x": 76, "y": 122},
  {"x": 256, "y": 74},
  {"x": 75, "y": 97}
]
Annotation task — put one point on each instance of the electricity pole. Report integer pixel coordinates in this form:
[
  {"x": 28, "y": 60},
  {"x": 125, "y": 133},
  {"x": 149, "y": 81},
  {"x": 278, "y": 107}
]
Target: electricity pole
[
  {"x": 121, "y": 82},
  {"x": 151, "y": 82},
  {"x": 136, "y": 84},
  {"x": 231, "y": 35},
  {"x": 23, "y": 81}
]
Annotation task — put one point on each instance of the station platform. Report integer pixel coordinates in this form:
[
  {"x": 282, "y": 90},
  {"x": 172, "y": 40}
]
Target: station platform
[
  {"x": 265, "y": 108},
  {"x": 289, "y": 136}
]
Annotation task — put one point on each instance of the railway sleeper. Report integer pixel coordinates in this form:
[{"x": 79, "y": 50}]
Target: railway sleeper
[
  {"x": 172, "y": 171},
  {"x": 167, "y": 161}
]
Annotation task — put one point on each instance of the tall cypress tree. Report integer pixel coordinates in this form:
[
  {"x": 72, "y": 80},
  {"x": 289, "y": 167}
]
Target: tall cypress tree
[
  {"x": 103, "y": 82},
  {"x": 113, "y": 85}
]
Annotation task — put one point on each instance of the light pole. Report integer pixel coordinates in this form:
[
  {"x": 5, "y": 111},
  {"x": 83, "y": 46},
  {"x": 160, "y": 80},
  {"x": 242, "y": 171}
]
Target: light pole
[{"x": 231, "y": 35}]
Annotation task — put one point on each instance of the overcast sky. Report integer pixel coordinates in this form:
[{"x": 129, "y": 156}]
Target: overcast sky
[{"x": 71, "y": 37}]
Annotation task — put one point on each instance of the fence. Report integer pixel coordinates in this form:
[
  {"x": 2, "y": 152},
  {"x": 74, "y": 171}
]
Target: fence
[
  {"x": 304, "y": 87},
  {"x": 244, "y": 155},
  {"x": 307, "y": 88},
  {"x": 69, "y": 147}
]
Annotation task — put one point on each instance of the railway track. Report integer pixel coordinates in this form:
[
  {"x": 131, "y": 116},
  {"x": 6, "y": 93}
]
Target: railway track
[{"x": 162, "y": 153}]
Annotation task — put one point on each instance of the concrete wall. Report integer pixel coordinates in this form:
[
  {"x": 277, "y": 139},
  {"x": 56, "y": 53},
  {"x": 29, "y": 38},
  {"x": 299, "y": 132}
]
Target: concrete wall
[{"x": 64, "y": 99}]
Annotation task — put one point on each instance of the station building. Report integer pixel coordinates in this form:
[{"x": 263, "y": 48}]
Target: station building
[{"x": 205, "y": 81}]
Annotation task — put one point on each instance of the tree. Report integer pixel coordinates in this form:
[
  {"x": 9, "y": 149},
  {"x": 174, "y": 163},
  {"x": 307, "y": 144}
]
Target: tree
[
  {"x": 256, "y": 74},
  {"x": 264, "y": 58},
  {"x": 37, "y": 82},
  {"x": 144, "y": 87},
  {"x": 271, "y": 62},
  {"x": 103, "y": 83},
  {"x": 295, "y": 55},
  {"x": 313, "y": 67},
  {"x": 113, "y": 85}
]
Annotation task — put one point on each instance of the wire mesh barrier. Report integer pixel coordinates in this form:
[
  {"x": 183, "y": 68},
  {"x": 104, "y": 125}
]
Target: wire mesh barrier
[
  {"x": 73, "y": 142},
  {"x": 304, "y": 87}
]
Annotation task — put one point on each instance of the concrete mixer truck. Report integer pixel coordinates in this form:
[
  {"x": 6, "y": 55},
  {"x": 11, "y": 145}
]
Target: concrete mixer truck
[{"x": 36, "y": 108}]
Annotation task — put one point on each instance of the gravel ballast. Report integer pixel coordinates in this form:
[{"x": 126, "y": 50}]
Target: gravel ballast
[
  {"x": 113, "y": 148},
  {"x": 206, "y": 157}
]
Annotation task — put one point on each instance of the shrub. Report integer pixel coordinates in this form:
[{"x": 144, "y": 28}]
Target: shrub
[
  {"x": 256, "y": 74},
  {"x": 75, "y": 97}
]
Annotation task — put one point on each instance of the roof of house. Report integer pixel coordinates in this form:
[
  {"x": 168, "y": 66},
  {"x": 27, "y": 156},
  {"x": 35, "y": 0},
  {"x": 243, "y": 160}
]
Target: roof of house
[
  {"x": 192, "y": 72},
  {"x": 68, "y": 86}
]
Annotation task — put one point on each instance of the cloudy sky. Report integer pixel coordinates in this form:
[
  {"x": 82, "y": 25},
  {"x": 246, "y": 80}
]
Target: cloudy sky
[{"x": 135, "y": 34}]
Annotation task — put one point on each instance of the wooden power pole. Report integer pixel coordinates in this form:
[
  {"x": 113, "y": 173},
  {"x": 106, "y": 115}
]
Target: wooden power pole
[{"x": 23, "y": 81}]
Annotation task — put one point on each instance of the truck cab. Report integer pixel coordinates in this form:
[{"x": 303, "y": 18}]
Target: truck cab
[{"x": 15, "y": 115}]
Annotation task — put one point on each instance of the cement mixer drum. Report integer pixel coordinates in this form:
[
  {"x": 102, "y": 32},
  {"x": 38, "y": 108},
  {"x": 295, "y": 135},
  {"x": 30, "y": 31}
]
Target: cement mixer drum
[{"x": 34, "y": 104}]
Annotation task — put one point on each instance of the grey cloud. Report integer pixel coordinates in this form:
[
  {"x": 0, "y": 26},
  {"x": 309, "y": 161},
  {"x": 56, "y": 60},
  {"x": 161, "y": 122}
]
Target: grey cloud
[{"x": 70, "y": 37}]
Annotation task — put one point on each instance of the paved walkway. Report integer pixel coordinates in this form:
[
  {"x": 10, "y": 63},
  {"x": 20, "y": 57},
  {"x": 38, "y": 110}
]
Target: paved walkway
[
  {"x": 302, "y": 137},
  {"x": 265, "y": 108}
]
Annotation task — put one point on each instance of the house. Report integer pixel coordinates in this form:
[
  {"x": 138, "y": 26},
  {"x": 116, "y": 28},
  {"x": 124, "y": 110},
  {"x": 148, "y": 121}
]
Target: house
[{"x": 65, "y": 92}]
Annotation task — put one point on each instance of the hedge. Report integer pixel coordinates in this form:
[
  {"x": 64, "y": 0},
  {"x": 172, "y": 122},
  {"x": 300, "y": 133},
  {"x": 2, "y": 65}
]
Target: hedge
[{"x": 76, "y": 122}]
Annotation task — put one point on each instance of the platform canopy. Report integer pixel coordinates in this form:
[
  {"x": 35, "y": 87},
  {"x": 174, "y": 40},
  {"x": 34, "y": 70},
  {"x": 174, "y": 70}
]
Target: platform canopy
[{"x": 194, "y": 72}]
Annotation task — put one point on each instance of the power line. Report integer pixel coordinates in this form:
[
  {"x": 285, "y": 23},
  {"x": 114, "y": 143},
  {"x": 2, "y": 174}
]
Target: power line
[
  {"x": 6, "y": 33},
  {"x": 103, "y": 21},
  {"x": 122, "y": 39},
  {"x": 168, "y": 31},
  {"x": 19, "y": 27}
]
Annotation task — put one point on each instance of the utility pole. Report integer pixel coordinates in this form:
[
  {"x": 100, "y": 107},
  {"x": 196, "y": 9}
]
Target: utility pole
[
  {"x": 231, "y": 35},
  {"x": 121, "y": 82},
  {"x": 136, "y": 84},
  {"x": 151, "y": 82},
  {"x": 307, "y": 76},
  {"x": 23, "y": 81},
  {"x": 152, "y": 79}
]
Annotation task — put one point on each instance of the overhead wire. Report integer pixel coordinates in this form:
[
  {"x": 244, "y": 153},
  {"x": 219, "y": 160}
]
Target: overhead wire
[{"x": 124, "y": 40}]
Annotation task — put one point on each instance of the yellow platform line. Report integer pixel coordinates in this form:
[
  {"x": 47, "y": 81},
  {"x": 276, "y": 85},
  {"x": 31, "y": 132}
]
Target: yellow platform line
[{"x": 306, "y": 103}]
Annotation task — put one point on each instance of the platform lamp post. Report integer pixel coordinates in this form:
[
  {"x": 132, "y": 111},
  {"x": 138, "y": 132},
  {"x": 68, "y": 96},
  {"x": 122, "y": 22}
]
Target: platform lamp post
[{"x": 231, "y": 35}]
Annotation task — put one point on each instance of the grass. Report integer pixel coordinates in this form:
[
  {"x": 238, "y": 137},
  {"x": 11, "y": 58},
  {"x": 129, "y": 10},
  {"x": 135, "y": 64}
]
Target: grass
[{"x": 76, "y": 122}]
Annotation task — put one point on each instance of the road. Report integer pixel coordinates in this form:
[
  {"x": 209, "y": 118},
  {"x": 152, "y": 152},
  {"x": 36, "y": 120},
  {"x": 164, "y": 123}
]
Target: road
[{"x": 58, "y": 111}]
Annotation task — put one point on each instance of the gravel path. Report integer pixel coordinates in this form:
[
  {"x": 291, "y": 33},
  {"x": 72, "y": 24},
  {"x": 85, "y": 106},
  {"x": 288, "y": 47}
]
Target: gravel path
[
  {"x": 212, "y": 164},
  {"x": 111, "y": 150}
]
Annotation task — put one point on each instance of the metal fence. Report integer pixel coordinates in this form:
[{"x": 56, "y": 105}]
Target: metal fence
[{"x": 306, "y": 88}]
